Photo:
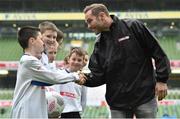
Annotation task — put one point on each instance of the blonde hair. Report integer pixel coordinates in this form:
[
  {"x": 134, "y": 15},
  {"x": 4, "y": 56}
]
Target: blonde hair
[
  {"x": 46, "y": 25},
  {"x": 76, "y": 50}
]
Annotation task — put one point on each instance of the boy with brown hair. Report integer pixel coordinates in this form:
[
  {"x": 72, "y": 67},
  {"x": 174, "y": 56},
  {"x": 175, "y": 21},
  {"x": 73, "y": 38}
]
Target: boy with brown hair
[
  {"x": 29, "y": 95},
  {"x": 74, "y": 95}
]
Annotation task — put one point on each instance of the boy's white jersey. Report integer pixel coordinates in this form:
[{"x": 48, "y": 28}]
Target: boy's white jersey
[
  {"x": 44, "y": 59},
  {"x": 29, "y": 95},
  {"x": 74, "y": 96},
  {"x": 45, "y": 62}
]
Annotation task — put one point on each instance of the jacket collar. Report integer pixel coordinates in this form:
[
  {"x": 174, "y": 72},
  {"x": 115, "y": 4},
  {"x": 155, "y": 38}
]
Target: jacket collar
[
  {"x": 113, "y": 25},
  {"x": 115, "y": 21}
]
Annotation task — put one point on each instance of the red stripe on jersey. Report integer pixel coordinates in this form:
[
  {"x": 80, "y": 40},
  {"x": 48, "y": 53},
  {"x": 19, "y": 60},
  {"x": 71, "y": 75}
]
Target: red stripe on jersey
[{"x": 68, "y": 94}]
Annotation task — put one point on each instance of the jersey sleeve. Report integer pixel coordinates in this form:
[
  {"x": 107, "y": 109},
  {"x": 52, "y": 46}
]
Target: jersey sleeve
[{"x": 42, "y": 74}]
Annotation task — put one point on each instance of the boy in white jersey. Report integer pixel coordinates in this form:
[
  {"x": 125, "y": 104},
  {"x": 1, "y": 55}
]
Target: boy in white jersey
[
  {"x": 51, "y": 35},
  {"x": 52, "y": 38},
  {"x": 29, "y": 94},
  {"x": 85, "y": 68},
  {"x": 51, "y": 52},
  {"x": 74, "y": 95}
]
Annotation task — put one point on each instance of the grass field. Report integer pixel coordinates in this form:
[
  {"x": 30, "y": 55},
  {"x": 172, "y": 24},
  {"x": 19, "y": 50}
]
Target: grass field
[
  {"x": 167, "y": 108},
  {"x": 102, "y": 112},
  {"x": 11, "y": 51}
]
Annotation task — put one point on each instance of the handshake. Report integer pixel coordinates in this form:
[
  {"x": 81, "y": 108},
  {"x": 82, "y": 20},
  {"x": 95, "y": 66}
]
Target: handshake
[{"x": 82, "y": 78}]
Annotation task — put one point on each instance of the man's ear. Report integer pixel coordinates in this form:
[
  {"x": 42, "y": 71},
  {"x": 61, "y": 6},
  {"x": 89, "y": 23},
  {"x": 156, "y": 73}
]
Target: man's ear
[{"x": 102, "y": 16}]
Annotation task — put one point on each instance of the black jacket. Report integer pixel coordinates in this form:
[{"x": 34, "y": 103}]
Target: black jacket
[{"x": 122, "y": 59}]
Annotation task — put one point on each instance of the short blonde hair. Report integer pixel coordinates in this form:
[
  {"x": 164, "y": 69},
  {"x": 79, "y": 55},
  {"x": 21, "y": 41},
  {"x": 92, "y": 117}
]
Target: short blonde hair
[
  {"x": 77, "y": 50},
  {"x": 96, "y": 9},
  {"x": 47, "y": 25}
]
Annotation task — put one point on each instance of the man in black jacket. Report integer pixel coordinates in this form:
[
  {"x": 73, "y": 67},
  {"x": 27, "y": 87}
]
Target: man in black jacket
[{"x": 122, "y": 59}]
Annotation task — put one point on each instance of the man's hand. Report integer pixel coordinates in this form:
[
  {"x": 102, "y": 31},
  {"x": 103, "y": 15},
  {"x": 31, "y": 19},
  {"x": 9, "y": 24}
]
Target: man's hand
[
  {"x": 82, "y": 79},
  {"x": 161, "y": 90}
]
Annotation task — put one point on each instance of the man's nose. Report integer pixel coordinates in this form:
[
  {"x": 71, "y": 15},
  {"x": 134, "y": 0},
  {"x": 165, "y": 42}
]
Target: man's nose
[
  {"x": 89, "y": 26},
  {"x": 44, "y": 45}
]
